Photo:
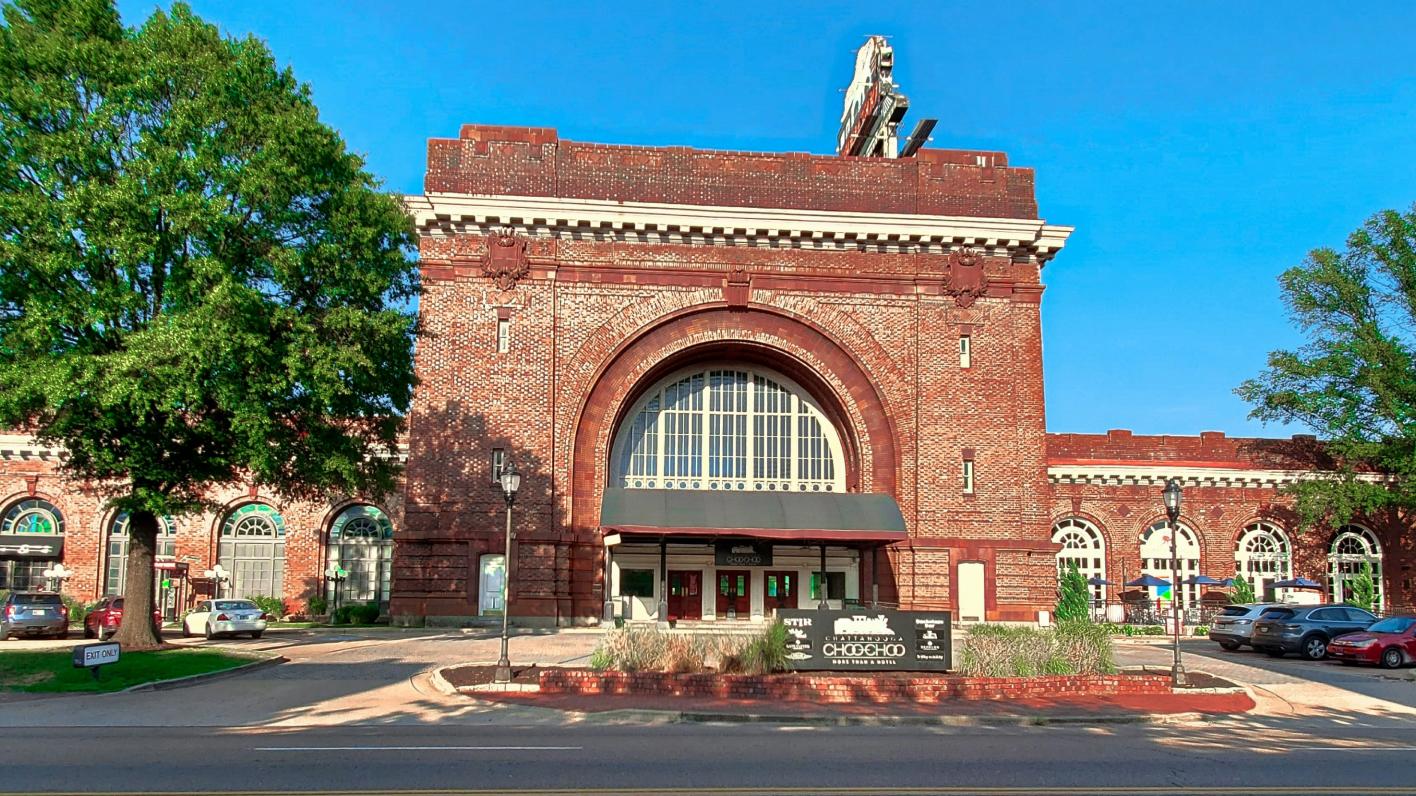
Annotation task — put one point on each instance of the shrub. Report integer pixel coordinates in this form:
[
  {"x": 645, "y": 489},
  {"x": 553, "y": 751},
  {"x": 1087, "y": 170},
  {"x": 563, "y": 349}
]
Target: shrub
[
  {"x": 343, "y": 615},
  {"x": 630, "y": 649},
  {"x": 1074, "y": 598},
  {"x": 78, "y": 609},
  {"x": 271, "y": 605},
  {"x": 1074, "y": 647},
  {"x": 365, "y": 613},
  {"x": 1243, "y": 591},
  {"x": 684, "y": 653},
  {"x": 600, "y": 659},
  {"x": 766, "y": 652},
  {"x": 1140, "y": 630},
  {"x": 730, "y": 653},
  {"x": 1362, "y": 590},
  {"x": 318, "y": 605}
]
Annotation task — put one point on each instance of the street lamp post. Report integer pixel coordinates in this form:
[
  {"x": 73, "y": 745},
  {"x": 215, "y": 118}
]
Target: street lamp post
[
  {"x": 1172, "y": 511},
  {"x": 510, "y": 482},
  {"x": 334, "y": 575}
]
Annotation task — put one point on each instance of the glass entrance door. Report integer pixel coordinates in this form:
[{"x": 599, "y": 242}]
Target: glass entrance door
[
  {"x": 685, "y": 595},
  {"x": 780, "y": 590},
  {"x": 734, "y": 594}
]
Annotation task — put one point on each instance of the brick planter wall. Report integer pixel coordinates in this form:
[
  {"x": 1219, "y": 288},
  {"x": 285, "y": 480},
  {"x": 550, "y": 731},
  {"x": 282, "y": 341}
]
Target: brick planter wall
[{"x": 846, "y": 688}]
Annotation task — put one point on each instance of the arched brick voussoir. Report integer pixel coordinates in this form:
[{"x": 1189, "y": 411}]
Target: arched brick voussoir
[{"x": 798, "y": 348}]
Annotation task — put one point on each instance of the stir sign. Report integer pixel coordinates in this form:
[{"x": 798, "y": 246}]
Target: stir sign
[{"x": 92, "y": 656}]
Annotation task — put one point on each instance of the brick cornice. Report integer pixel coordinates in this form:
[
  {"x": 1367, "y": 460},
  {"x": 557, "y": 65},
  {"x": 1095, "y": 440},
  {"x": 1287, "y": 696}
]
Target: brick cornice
[{"x": 1190, "y": 474}]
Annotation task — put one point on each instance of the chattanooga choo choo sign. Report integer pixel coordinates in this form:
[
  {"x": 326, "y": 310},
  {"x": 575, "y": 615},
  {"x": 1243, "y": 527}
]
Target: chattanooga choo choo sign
[{"x": 867, "y": 639}]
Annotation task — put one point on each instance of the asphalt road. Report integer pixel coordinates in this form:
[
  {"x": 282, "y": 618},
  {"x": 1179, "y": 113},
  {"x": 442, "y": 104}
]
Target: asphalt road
[{"x": 637, "y": 759}]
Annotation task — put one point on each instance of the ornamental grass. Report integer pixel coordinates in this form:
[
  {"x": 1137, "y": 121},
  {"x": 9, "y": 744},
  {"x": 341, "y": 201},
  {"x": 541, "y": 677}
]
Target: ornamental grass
[{"x": 1073, "y": 647}]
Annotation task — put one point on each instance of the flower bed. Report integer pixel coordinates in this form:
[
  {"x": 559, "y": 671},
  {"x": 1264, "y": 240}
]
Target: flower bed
[{"x": 844, "y": 688}]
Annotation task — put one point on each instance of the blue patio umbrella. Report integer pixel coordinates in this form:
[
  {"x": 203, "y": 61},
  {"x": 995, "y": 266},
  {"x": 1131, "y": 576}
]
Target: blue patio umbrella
[
  {"x": 1203, "y": 580},
  {"x": 1227, "y": 583},
  {"x": 1148, "y": 581},
  {"x": 1296, "y": 583},
  {"x": 1096, "y": 581}
]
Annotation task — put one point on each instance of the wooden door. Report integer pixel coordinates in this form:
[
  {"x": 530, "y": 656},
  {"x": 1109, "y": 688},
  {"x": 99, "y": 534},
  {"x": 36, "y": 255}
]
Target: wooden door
[
  {"x": 779, "y": 590},
  {"x": 734, "y": 594},
  {"x": 685, "y": 595}
]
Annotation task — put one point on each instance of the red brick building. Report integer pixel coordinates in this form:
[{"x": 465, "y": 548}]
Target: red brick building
[{"x": 716, "y": 371}]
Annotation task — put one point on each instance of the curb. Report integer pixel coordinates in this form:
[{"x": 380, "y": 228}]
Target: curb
[
  {"x": 193, "y": 679},
  {"x": 1031, "y": 720}
]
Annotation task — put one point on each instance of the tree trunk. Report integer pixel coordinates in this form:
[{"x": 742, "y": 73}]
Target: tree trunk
[{"x": 137, "y": 631}]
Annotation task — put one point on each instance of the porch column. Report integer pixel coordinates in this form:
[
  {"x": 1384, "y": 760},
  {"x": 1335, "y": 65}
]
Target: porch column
[
  {"x": 663, "y": 583},
  {"x": 821, "y": 579},
  {"x": 608, "y": 618},
  {"x": 874, "y": 579}
]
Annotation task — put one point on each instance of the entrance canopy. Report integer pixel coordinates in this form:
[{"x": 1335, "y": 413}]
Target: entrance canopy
[{"x": 819, "y": 517}]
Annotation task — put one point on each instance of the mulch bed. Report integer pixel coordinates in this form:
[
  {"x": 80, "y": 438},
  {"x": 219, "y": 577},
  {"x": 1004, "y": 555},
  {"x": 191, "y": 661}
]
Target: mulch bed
[{"x": 481, "y": 675}]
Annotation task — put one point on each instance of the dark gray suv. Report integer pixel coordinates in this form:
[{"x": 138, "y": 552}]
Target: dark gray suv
[
  {"x": 1306, "y": 629},
  {"x": 27, "y": 613}
]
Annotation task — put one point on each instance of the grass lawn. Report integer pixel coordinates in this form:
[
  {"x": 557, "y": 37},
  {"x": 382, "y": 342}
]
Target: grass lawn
[{"x": 46, "y": 671}]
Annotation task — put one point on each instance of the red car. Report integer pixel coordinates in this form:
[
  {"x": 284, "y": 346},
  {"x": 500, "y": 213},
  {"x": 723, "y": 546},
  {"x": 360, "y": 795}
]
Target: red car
[
  {"x": 1388, "y": 643},
  {"x": 105, "y": 617}
]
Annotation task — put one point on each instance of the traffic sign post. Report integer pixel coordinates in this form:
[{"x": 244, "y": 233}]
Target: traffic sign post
[{"x": 95, "y": 656}]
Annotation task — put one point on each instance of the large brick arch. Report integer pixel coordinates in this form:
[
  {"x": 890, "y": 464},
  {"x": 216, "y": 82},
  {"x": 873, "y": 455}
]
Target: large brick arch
[{"x": 790, "y": 345}]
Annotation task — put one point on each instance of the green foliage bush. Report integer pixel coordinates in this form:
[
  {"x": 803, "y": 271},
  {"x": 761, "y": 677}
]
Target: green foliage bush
[
  {"x": 1139, "y": 630},
  {"x": 1074, "y": 598},
  {"x": 365, "y": 613},
  {"x": 343, "y": 615},
  {"x": 1243, "y": 591},
  {"x": 1362, "y": 589},
  {"x": 1074, "y": 647},
  {"x": 318, "y": 606},
  {"x": 767, "y": 651},
  {"x": 78, "y": 609},
  {"x": 271, "y": 605}
]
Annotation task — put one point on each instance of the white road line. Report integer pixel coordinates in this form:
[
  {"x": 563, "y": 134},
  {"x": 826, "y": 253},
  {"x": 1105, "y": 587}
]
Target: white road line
[
  {"x": 416, "y": 748},
  {"x": 1350, "y": 749}
]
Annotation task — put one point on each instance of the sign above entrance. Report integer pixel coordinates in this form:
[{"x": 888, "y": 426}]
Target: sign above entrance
[
  {"x": 31, "y": 545},
  {"x": 868, "y": 639},
  {"x": 743, "y": 554}
]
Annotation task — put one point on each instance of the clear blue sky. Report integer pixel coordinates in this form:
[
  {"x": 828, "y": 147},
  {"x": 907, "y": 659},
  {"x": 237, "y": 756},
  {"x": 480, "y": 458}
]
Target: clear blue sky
[{"x": 1199, "y": 148}]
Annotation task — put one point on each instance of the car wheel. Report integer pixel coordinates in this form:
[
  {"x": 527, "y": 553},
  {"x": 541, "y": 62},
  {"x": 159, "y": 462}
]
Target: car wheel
[
  {"x": 88, "y": 631},
  {"x": 1315, "y": 648},
  {"x": 209, "y": 635},
  {"x": 1392, "y": 658},
  {"x": 103, "y": 635},
  {"x": 256, "y": 633},
  {"x": 63, "y": 634},
  {"x": 1274, "y": 652},
  {"x": 186, "y": 633},
  {"x": 1230, "y": 645}
]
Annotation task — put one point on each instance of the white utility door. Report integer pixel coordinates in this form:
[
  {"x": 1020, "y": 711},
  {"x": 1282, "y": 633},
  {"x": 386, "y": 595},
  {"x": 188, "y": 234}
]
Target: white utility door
[{"x": 971, "y": 591}]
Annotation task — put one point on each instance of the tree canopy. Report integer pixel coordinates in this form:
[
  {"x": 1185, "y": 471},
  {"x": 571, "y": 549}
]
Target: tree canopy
[
  {"x": 1354, "y": 381},
  {"x": 199, "y": 284}
]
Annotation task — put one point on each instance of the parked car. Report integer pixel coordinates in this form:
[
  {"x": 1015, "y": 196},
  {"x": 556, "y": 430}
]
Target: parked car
[
  {"x": 1233, "y": 626},
  {"x": 34, "y": 614},
  {"x": 1306, "y": 629},
  {"x": 1389, "y": 644},
  {"x": 105, "y": 617},
  {"x": 214, "y": 618}
]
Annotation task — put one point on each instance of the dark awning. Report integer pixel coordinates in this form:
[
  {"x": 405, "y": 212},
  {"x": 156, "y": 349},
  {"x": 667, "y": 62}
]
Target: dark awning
[{"x": 816, "y": 516}]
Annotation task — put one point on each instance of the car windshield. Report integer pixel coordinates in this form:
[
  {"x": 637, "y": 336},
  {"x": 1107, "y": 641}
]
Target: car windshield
[
  {"x": 38, "y": 599},
  {"x": 1234, "y": 610},
  {"x": 1394, "y": 624},
  {"x": 234, "y": 605}
]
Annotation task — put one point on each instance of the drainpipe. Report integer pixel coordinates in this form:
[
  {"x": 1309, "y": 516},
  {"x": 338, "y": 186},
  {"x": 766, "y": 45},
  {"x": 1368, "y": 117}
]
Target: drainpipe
[
  {"x": 823, "y": 605},
  {"x": 663, "y": 584}
]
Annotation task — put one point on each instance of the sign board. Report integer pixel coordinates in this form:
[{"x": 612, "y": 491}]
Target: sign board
[
  {"x": 31, "y": 545},
  {"x": 743, "y": 554},
  {"x": 873, "y": 107},
  {"x": 87, "y": 656},
  {"x": 868, "y": 639}
]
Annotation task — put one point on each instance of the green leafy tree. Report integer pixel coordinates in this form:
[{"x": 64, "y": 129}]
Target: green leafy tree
[
  {"x": 199, "y": 285},
  {"x": 1362, "y": 588},
  {"x": 1354, "y": 381},
  {"x": 1243, "y": 591},
  {"x": 1074, "y": 597}
]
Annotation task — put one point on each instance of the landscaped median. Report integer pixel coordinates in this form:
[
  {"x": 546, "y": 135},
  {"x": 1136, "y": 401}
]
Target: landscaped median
[
  {"x": 1009, "y": 674},
  {"x": 52, "y": 671}
]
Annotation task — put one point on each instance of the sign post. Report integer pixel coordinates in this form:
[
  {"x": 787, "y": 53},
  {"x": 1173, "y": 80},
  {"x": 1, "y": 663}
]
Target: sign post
[
  {"x": 94, "y": 656},
  {"x": 868, "y": 639}
]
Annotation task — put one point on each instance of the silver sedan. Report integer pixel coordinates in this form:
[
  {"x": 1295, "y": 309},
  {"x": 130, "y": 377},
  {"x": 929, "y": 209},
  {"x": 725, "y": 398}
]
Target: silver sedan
[{"x": 214, "y": 618}]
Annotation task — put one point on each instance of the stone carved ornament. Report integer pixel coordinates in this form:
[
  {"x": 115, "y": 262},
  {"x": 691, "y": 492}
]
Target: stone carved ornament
[
  {"x": 505, "y": 262},
  {"x": 965, "y": 280}
]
